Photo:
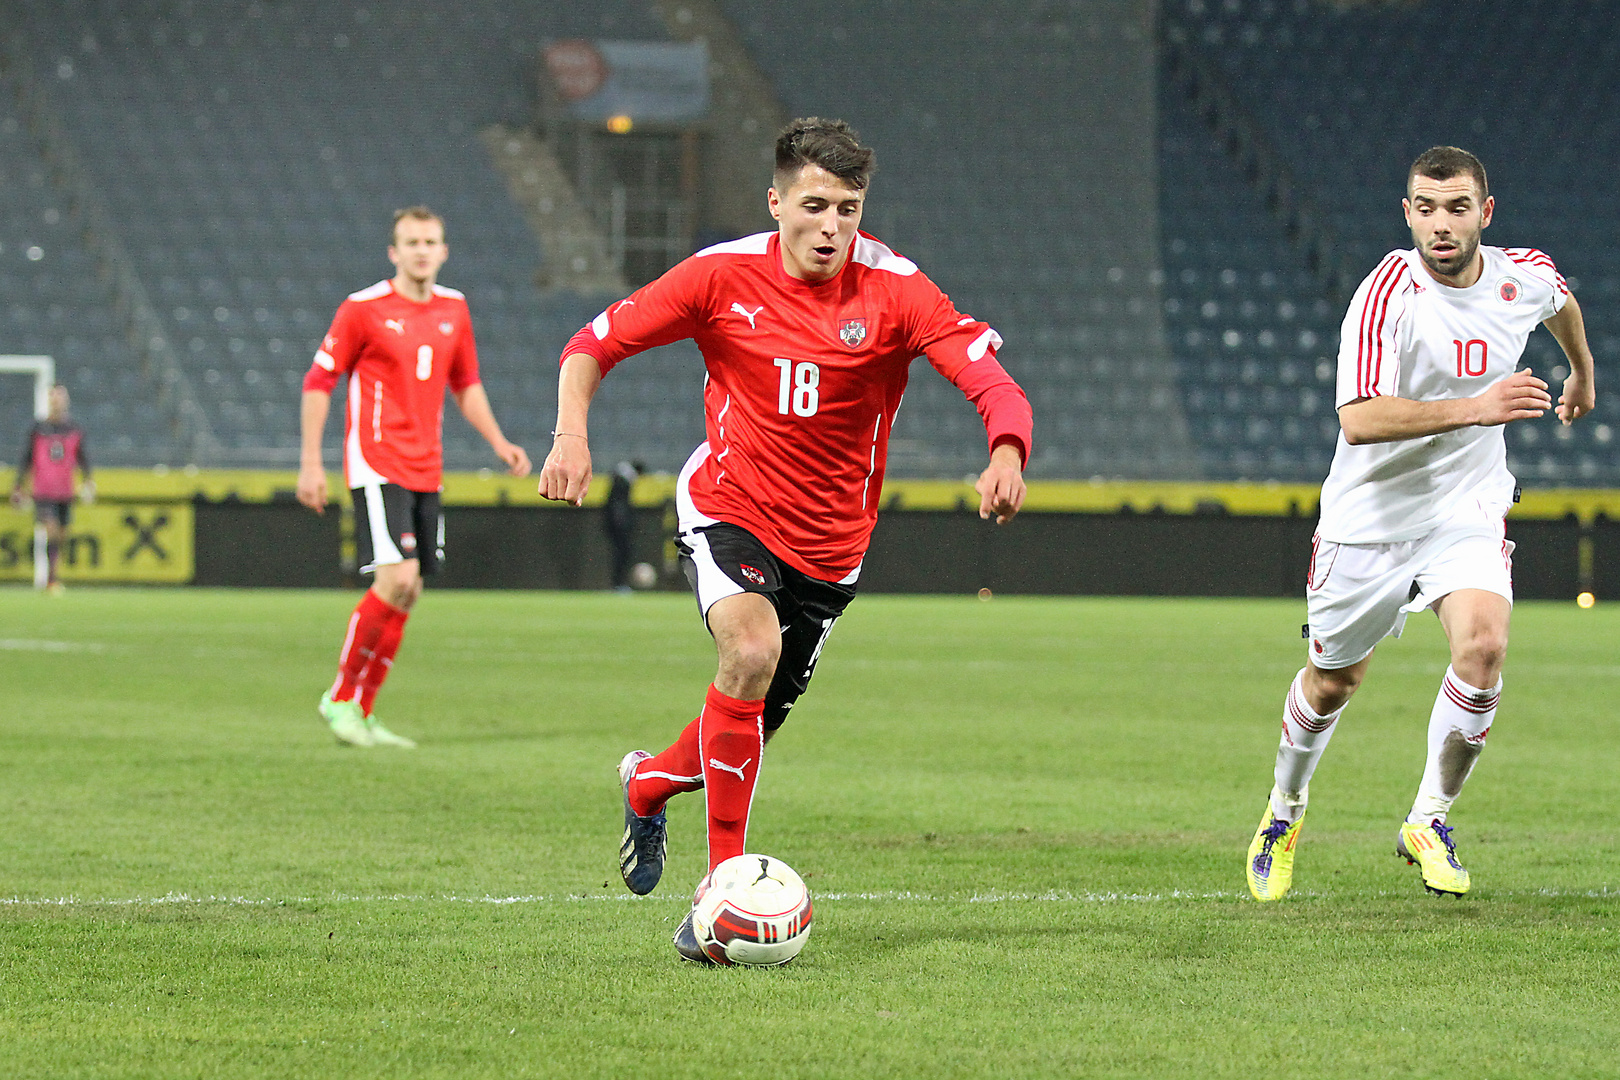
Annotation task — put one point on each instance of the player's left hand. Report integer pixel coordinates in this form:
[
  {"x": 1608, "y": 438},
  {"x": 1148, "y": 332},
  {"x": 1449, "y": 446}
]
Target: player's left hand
[
  {"x": 1578, "y": 399},
  {"x": 516, "y": 458},
  {"x": 1001, "y": 486},
  {"x": 566, "y": 475},
  {"x": 87, "y": 492}
]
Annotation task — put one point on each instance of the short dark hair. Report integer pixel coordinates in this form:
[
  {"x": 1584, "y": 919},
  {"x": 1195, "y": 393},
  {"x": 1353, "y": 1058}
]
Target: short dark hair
[
  {"x": 415, "y": 213},
  {"x": 831, "y": 144},
  {"x": 1445, "y": 162}
]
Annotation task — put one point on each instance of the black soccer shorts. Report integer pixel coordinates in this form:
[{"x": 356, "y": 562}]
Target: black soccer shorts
[
  {"x": 52, "y": 512},
  {"x": 723, "y": 560},
  {"x": 392, "y": 524}
]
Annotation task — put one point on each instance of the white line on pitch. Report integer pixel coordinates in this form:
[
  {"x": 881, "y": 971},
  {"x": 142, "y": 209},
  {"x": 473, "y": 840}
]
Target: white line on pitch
[
  {"x": 41, "y": 645},
  {"x": 1052, "y": 897}
]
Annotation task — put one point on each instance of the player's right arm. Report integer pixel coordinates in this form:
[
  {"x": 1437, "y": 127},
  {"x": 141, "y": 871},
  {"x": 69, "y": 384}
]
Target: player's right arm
[
  {"x": 338, "y": 352},
  {"x": 566, "y": 475},
  {"x": 1520, "y": 396},
  {"x": 311, "y": 470},
  {"x": 658, "y": 313},
  {"x": 1371, "y": 410},
  {"x": 25, "y": 463}
]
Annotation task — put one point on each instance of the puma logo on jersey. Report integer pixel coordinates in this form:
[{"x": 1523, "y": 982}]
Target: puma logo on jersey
[
  {"x": 396, "y": 325},
  {"x": 749, "y": 315},
  {"x": 736, "y": 769}
]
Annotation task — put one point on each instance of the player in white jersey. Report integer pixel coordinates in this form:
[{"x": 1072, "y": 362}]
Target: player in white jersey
[{"x": 1413, "y": 507}]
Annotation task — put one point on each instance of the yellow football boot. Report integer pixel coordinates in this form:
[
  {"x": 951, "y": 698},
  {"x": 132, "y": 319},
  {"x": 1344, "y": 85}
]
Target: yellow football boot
[
  {"x": 1431, "y": 848},
  {"x": 1271, "y": 856}
]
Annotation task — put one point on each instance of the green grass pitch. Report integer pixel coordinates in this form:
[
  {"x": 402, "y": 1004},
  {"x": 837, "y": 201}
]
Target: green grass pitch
[{"x": 1023, "y": 820}]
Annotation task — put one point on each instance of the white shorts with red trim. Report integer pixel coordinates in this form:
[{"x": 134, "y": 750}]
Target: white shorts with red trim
[{"x": 1358, "y": 594}]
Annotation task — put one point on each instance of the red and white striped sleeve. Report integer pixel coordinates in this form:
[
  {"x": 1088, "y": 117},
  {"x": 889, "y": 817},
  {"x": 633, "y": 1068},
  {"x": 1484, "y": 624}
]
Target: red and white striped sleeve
[
  {"x": 464, "y": 365},
  {"x": 1369, "y": 350},
  {"x": 1538, "y": 265},
  {"x": 963, "y": 349},
  {"x": 340, "y": 349},
  {"x": 658, "y": 313}
]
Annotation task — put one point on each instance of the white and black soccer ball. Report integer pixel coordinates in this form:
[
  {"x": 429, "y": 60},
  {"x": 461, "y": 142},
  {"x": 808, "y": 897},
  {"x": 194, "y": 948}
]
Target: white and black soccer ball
[
  {"x": 752, "y": 910},
  {"x": 643, "y": 576}
]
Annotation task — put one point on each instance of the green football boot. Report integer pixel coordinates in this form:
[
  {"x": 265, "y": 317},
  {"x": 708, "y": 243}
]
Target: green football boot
[
  {"x": 381, "y": 736},
  {"x": 348, "y": 724}
]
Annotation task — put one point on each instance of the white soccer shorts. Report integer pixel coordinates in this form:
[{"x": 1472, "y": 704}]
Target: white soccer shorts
[{"x": 1358, "y": 594}]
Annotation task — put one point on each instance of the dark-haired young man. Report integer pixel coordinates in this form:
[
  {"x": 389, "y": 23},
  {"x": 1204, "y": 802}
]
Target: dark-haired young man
[
  {"x": 1413, "y": 507},
  {"x": 807, "y": 334},
  {"x": 400, "y": 344}
]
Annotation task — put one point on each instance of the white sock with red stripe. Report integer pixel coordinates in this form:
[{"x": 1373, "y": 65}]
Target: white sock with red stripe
[
  {"x": 1305, "y": 734},
  {"x": 1458, "y": 725}
]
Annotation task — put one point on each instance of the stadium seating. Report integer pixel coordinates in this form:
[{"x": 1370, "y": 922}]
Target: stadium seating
[
  {"x": 997, "y": 174},
  {"x": 1253, "y": 333},
  {"x": 1348, "y": 95},
  {"x": 252, "y": 155},
  {"x": 53, "y": 302}
]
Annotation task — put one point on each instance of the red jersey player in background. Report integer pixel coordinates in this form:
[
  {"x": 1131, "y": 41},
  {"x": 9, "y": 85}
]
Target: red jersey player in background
[
  {"x": 55, "y": 447},
  {"x": 807, "y": 334},
  {"x": 399, "y": 343}
]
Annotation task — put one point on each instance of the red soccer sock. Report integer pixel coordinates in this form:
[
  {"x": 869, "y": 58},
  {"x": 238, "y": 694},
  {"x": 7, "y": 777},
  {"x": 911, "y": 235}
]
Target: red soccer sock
[
  {"x": 658, "y": 778},
  {"x": 732, "y": 738},
  {"x": 382, "y": 658},
  {"x": 366, "y": 625}
]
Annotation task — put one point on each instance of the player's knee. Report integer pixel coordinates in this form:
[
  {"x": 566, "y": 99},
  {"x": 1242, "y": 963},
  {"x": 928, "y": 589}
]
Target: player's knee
[
  {"x": 753, "y": 657},
  {"x": 393, "y": 593},
  {"x": 1479, "y": 657},
  {"x": 1328, "y": 690},
  {"x": 399, "y": 584}
]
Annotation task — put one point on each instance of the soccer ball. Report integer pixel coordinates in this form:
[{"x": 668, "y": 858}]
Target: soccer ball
[
  {"x": 752, "y": 910},
  {"x": 643, "y": 576}
]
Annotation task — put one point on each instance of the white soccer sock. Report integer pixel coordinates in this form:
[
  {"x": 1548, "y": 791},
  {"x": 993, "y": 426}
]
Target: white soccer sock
[
  {"x": 1305, "y": 735},
  {"x": 1457, "y": 728}
]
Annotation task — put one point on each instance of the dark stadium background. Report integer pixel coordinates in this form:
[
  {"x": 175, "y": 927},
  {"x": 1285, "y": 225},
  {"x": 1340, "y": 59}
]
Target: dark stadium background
[{"x": 1161, "y": 207}]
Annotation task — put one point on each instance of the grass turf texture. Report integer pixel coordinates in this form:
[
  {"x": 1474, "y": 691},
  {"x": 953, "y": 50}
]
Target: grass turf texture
[{"x": 1024, "y": 822}]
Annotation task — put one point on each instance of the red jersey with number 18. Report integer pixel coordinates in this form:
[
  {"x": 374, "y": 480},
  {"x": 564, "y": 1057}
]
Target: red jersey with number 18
[
  {"x": 399, "y": 356},
  {"x": 804, "y": 379}
]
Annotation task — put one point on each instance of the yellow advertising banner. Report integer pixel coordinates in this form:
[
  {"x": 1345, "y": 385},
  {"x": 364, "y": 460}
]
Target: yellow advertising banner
[{"x": 136, "y": 542}]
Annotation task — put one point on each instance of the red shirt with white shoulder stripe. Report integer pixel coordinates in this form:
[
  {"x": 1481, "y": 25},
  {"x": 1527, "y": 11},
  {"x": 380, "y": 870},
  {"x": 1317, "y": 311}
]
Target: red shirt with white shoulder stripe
[
  {"x": 804, "y": 379},
  {"x": 1407, "y": 335},
  {"x": 398, "y": 355}
]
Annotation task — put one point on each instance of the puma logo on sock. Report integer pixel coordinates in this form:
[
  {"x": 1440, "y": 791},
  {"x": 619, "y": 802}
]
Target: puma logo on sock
[{"x": 737, "y": 769}]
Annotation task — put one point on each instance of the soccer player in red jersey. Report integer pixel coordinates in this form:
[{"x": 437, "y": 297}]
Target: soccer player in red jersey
[
  {"x": 807, "y": 335},
  {"x": 55, "y": 447},
  {"x": 400, "y": 343}
]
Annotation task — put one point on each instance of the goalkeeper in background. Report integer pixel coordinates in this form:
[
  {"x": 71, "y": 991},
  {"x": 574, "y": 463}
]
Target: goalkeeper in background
[{"x": 53, "y": 450}]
